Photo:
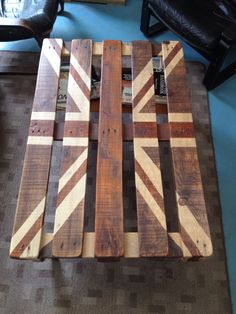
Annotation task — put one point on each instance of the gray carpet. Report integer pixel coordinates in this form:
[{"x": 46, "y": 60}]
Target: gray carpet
[{"x": 86, "y": 286}]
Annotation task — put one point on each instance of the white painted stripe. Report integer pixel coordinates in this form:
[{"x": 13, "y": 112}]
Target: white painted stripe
[
  {"x": 142, "y": 78},
  {"x": 52, "y": 56},
  {"x": 46, "y": 238},
  {"x": 137, "y": 116},
  {"x": 27, "y": 225},
  {"x": 40, "y": 140},
  {"x": 71, "y": 171},
  {"x": 149, "y": 199},
  {"x": 76, "y": 116},
  {"x": 148, "y": 166},
  {"x": 168, "y": 47},
  {"x": 194, "y": 229},
  {"x": 75, "y": 141},
  {"x": 69, "y": 204},
  {"x": 176, "y": 237},
  {"x": 173, "y": 63},
  {"x": 36, "y": 115},
  {"x": 84, "y": 76},
  {"x": 180, "y": 117},
  {"x": 183, "y": 142},
  {"x": 32, "y": 250},
  {"x": 81, "y": 101}
]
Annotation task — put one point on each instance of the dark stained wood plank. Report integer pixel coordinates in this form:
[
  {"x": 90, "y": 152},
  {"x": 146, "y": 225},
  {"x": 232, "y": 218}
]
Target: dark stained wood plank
[
  {"x": 152, "y": 227},
  {"x": 163, "y": 131},
  {"x": 69, "y": 219},
  {"x": 109, "y": 198},
  {"x": 27, "y": 230},
  {"x": 193, "y": 222}
]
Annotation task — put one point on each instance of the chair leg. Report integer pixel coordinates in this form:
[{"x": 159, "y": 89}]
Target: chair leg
[
  {"x": 145, "y": 18},
  {"x": 214, "y": 75},
  {"x": 145, "y": 22}
]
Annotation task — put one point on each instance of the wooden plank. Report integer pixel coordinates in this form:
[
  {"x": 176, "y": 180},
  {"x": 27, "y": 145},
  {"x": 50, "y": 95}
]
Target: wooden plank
[
  {"x": 152, "y": 228},
  {"x": 109, "y": 198},
  {"x": 27, "y": 230},
  {"x": 163, "y": 131},
  {"x": 69, "y": 218},
  {"x": 131, "y": 245},
  {"x": 194, "y": 228},
  {"x": 98, "y": 49}
]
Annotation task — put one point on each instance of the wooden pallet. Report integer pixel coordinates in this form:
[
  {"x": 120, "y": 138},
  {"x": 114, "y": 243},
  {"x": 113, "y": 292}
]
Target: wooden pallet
[{"x": 109, "y": 241}]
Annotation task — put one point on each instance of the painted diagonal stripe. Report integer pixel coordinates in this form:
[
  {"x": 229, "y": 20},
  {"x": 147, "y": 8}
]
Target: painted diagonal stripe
[
  {"x": 142, "y": 78},
  {"x": 137, "y": 116},
  {"x": 191, "y": 226},
  {"x": 43, "y": 115},
  {"x": 178, "y": 241},
  {"x": 170, "y": 67},
  {"x": 40, "y": 140},
  {"x": 169, "y": 49},
  {"x": 71, "y": 171},
  {"x": 83, "y": 75},
  {"x": 81, "y": 101},
  {"x": 52, "y": 56},
  {"x": 180, "y": 117},
  {"x": 149, "y": 167},
  {"x": 152, "y": 204},
  {"x": 32, "y": 248},
  {"x": 69, "y": 204},
  {"x": 27, "y": 225}
]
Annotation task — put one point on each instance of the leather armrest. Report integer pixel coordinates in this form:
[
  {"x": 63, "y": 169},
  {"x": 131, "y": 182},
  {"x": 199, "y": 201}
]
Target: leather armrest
[{"x": 15, "y": 22}]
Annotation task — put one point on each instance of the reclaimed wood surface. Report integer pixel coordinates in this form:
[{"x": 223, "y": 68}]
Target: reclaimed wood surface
[
  {"x": 149, "y": 192},
  {"x": 27, "y": 230},
  {"x": 190, "y": 236},
  {"x": 109, "y": 199},
  {"x": 69, "y": 217},
  {"x": 193, "y": 222}
]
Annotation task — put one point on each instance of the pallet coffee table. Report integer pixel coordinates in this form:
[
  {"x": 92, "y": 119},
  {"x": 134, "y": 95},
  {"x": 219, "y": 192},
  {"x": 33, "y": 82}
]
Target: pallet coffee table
[{"x": 153, "y": 238}]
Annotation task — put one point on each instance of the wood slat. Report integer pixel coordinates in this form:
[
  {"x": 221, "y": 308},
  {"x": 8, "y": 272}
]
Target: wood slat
[
  {"x": 152, "y": 228},
  {"x": 163, "y": 131},
  {"x": 28, "y": 223},
  {"x": 109, "y": 198},
  {"x": 98, "y": 49},
  {"x": 69, "y": 218},
  {"x": 192, "y": 213}
]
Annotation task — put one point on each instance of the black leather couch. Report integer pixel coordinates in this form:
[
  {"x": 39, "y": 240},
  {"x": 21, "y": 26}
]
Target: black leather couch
[
  {"x": 207, "y": 25},
  {"x": 22, "y": 19}
]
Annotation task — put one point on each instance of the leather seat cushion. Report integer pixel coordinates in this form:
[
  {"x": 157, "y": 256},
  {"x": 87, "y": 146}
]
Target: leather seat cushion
[
  {"x": 39, "y": 14},
  {"x": 198, "y": 22}
]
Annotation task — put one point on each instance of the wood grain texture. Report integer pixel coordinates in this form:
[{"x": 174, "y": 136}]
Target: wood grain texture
[
  {"x": 152, "y": 228},
  {"x": 69, "y": 218},
  {"x": 109, "y": 198},
  {"x": 27, "y": 230},
  {"x": 192, "y": 213}
]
